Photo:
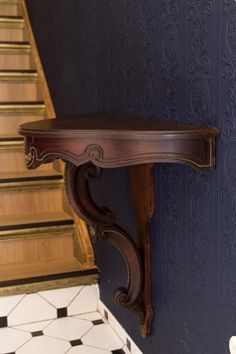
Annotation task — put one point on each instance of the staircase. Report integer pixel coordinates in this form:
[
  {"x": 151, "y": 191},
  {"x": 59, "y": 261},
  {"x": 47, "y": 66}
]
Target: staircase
[{"x": 42, "y": 243}]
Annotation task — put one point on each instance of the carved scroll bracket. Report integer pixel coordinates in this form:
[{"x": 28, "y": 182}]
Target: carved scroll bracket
[{"x": 102, "y": 225}]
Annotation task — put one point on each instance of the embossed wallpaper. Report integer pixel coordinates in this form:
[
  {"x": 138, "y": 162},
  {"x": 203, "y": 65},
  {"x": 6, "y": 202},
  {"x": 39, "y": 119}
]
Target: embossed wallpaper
[{"x": 176, "y": 60}]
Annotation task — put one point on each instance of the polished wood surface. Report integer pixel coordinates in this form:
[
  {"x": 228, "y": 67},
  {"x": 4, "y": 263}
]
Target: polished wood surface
[
  {"x": 120, "y": 125},
  {"x": 142, "y": 196},
  {"x": 115, "y": 141},
  {"x": 90, "y": 142}
]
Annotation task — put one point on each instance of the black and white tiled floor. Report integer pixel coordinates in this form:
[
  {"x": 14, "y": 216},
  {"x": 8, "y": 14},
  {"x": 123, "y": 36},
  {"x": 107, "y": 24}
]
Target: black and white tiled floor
[{"x": 57, "y": 322}]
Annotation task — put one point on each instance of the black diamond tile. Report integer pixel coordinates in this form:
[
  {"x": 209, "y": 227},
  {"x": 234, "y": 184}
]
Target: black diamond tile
[
  {"x": 75, "y": 342},
  {"x": 3, "y": 322},
  {"x": 97, "y": 322},
  {"x": 37, "y": 333},
  {"x": 62, "y": 312},
  {"x": 106, "y": 315},
  {"x": 118, "y": 351}
]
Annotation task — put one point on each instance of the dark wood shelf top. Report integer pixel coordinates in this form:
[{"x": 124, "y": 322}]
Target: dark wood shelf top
[
  {"x": 110, "y": 141},
  {"x": 112, "y": 124}
]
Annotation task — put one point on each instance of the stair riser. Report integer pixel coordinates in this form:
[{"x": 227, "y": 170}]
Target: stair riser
[
  {"x": 14, "y": 160},
  {"x": 12, "y": 34},
  {"x": 9, "y": 10},
  {"x": 33, "y": 249},
  {"x": 20, "y": 91},
  {"x": 9, "y": 124},
  {"x": 20, "y": 202},
  {"x": 16, "y": 61}
]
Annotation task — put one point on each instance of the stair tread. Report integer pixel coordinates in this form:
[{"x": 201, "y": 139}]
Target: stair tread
[
  {"x": 22, "y": 103},
  {"x": 18, "y": 47},
  {"x": 26, "y": 75},
  {"x": 11, "y": 138},
  {"x": 11, "y": 17},
  {"x": 26, "y": 221},
  {"x": 27, "y": 107},
  {"x": 21, "y": 71},
  {"x": 21, "y": 43},
  {"x": 24, "y": 176},
  {"x": 11, "y": 22}
]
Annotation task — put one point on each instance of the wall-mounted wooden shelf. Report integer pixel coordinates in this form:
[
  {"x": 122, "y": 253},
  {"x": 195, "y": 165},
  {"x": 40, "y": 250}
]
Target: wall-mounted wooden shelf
[{"x": 90, "y": 142}]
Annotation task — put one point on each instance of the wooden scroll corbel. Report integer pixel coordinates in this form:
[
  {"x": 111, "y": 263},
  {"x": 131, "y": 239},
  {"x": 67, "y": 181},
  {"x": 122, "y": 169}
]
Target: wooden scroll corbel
[{"x": 102, "y": 225}]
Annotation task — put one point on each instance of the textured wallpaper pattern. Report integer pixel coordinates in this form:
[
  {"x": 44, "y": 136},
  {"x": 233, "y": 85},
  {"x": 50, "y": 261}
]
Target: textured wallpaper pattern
[{"x": 176, "y": 60}]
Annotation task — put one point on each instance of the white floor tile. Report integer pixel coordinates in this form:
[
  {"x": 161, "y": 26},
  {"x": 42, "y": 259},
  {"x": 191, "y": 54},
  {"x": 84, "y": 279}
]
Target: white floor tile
[
  {"x": 44, "y": 345},
  {"x": 38, "y": 313},
  {"x": 61, "y": 297},
  {"x": 91, "y": 316},
  {"x": 103, "y": 337},
  {"x": 8, "y": 303},
  {"x": 68, "y": 328},
  {"x": 232, "y": 345},
  {"x": 12, "y": 339},
  {"x": 34, "y": 327},
  {"x": 119, "y": 330},
  {"x": 84, "y": 349},
  {"x": 85, "y": 301},
  {"x": 31, "y": 309}
]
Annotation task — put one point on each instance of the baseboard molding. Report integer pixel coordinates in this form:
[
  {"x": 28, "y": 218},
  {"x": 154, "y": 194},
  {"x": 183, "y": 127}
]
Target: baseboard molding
[{"x": 117, "y": 327}]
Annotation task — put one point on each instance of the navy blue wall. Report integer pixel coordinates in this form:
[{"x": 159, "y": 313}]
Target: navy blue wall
[{"x": 176, "y": 60}]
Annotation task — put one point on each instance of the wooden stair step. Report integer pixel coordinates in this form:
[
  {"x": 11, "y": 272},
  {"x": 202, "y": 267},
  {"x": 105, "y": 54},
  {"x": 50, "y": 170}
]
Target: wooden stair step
[
  {"x": 12, "y": 156},
  {"x": 27, "y": 107},
  {"x": 13, "y": 60},
  {"x": 9, "y": 9},
  {"x": 12, "y": 28},
  {"x": 19, "y": 75},
  {"x": 10, "y": 123},
  {"x": 11, "y": 22},
  {"x": 8, "y": 2},
  {"x": 14, "y": 47},
  {"x": 34, "y": 194},
  {"x": 11, "y": 142},
  {"x": 12, "y": 35},
  {"x": 28, "y": 224},
  {"x": 30, "y": 180},
  {"x": 35, "y": 237},
  {"x": 40, "y": 271},
  {"x": 19, "y": 89}
]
